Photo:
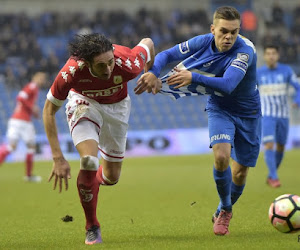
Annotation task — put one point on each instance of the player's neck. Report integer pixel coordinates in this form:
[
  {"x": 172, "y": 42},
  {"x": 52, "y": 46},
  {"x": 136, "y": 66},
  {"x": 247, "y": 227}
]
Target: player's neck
[
  {"x": 272, "y": 66},
  {"x": 214, "y": 47}
]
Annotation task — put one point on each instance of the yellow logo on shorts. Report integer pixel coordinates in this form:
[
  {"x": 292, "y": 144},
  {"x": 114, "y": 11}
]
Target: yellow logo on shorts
[{"x": 118, "y": 79}]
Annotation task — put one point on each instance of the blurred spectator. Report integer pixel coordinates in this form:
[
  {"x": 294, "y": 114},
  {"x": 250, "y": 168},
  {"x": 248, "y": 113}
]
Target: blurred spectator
[
  {"x": 249, "y": 25},
  {"x": 277, "y": 14},
  {"x": 34, "y": 42}
]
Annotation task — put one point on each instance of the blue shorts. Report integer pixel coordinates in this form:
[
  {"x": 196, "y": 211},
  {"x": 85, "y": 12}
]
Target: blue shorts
[
  {"x": 275, "y": 129},
  {"x": 244, "y": 135}
]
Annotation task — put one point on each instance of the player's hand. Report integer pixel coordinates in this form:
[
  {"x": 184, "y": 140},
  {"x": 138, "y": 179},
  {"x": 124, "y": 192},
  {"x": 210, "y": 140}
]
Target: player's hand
[
  {"x": 61, "y": 172},
  {"x": 157, "y": 87},
  {"x": 295, "y": 105},
  {"x": 180, "y": 78},
  {"x": 147, "y": 82}
]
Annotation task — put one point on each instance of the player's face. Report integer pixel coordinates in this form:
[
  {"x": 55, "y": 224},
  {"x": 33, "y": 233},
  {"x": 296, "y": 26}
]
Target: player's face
[
  {"x": 225, "y": 32},
  {"x": 41, "y": 79},
  {"x": 271, "y": 57},
  {"x": 103, "y": 65}
]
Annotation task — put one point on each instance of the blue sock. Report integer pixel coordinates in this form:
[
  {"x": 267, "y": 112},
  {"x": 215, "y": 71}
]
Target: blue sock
[
  {"x": 271, "y": 163},
  {"x": 279, "y": 156},
  {"x": 223, "y": 182},
  {"x": 236, "y": 192}
]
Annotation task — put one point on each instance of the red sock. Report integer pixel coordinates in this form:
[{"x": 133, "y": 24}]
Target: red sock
[
  {"x": 29, "y": 164},
  {"x": 88, "y": 189},
  {"x": 4, "y": 152},
  {"x": 102, "y": 180}
]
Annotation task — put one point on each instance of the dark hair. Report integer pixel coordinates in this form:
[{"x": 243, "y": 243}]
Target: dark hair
[
  {"x": 227, "y": 13},
  {"x": 271, "y": 46},
  {"x": 88, "y": 46}
]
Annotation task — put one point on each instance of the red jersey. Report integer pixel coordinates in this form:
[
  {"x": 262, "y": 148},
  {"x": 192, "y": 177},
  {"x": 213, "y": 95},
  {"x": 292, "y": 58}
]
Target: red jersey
[
  {"x": 76, "y": 76},
  {"x": 25, "y": 101}
]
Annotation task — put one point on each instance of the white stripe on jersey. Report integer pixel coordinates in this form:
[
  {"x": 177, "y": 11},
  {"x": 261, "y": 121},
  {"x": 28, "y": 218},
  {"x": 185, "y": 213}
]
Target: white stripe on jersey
[
  {"x": 248, "y": 42},
  {"x": 54, "y": 100},
  {"x": 184, "y": 91},
  {"x": 23, "y": 94},
  {"x": 273, "y": 100},
  {"x": 273, "y": 89}
]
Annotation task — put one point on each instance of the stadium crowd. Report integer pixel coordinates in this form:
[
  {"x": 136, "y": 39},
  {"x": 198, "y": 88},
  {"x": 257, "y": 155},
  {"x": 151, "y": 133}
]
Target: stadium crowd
[{"x": 31, "y": 43}]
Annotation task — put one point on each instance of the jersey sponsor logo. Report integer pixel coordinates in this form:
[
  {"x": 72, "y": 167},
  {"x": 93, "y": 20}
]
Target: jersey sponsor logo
[
  {"x": 118, "y": 79},
  {"x": 103, "y": 92},
  {"x": 85, "y": 80},
  {"x": 184, "y": 47},
  {"x": 243, "y": 56},
  {"x": 240, "y": 64},
  {"x": 219, "y": 137}
]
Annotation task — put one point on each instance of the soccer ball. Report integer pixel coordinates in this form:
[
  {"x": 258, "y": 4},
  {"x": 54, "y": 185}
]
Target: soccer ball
[{"x": 284, "y": 213}]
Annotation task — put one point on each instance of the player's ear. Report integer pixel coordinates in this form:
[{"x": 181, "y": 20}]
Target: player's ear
[
  {"x": 212, "y": 29},
  {"x": 87, "y": 63}
]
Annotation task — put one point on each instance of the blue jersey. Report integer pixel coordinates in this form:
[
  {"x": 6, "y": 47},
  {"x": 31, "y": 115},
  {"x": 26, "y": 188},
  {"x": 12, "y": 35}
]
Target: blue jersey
[
  {"x": 230, "y": 77},
  {"x": 273, "y": 86}
]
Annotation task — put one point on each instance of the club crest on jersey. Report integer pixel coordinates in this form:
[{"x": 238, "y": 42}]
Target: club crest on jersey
[
  {"x": 243, "y": 56},
  {"x": 184, "y": 47},
  {"x": 118, "y": 79}
]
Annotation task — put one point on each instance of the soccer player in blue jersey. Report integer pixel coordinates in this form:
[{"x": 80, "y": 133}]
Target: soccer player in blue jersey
[
  {"x": 221, "y": 63},
  {"x": 274, "y": 79}
]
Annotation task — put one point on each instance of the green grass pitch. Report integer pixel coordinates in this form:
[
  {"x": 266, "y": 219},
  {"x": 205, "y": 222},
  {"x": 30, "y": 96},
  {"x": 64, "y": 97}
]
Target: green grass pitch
[{"x": 159, "y": 203}]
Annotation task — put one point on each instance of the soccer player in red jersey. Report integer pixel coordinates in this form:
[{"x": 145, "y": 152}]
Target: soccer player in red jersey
[
  {"x": 94, "y": 80},
  {"x": 20, "y": 124}
]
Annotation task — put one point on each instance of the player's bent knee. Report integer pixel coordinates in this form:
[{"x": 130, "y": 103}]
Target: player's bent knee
[
  {"x": 110, "y": 181},
  {"x": 222, "y": 161},
  {"x": 89, "y": 162},
  {"x": 240, "y": 175}
]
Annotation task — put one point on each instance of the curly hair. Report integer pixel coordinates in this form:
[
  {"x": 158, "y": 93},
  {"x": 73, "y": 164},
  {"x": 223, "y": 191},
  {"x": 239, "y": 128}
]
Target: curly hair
[{"x": 88, "y": 46}]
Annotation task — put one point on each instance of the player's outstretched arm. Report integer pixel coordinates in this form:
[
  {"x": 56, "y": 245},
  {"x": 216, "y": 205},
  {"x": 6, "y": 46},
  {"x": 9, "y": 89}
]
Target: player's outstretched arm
[
  {"x": 149, "y": 43},
  {"x": 148, "y": 82},
  {"x": 61, "y": 168}
]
